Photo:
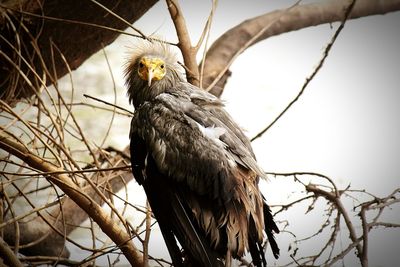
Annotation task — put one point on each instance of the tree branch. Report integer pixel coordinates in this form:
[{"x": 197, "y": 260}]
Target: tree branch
[
  {"x": 185, "y": 45},
  {"x": 106, "y": 223},
  {"x": 36, "y": 35},
  {"x": 316, "y": 70},
  {"x": 333, "y": 198},
  {"x": 117, "y": 177},
  {"x": 8, "y": 255},
  {"x": 230, "y": 44}
]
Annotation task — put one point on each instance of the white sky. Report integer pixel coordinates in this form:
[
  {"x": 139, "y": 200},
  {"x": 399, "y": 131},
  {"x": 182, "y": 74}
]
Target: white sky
[{"x": 346, "y": 124}]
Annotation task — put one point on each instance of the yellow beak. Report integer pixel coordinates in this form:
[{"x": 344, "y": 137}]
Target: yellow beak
[{"x": 150, "y": 75}]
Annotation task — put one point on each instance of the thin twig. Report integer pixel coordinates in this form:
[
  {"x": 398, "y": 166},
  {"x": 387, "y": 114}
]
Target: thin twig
[
  {"x": 41, "y": 16},
  {"x": 107, "y": 103},
  {"x": 127, "y": 23},
  {"x": 147, "y": 235},
  {"x": 115, "y": 99},
  {"x": 206, "y": 32},
  {"x": 313, "y": 74}
]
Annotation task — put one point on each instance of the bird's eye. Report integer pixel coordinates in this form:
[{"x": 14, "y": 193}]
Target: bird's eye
[
  {"x": 162, "y": 66},
  {"x": 141, "y": 65}
]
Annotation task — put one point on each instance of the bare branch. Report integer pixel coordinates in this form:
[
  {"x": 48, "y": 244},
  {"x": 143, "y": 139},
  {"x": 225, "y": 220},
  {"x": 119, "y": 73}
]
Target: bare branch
[
  {"x": 364, "y": 255},
  {"x": 384, "y": 224},
  {"x": 311, "y": 77},
  {"x": 332, "y": 197},
  {"x": 231, "y": 42},
  {"x": 105, "y": 102},
  {"x": 121, "y": 238},
  {"x": 8, "y": 255},
  {"x": 147, "y": 235},
  {"x": 109, "y": 11},
  {"x": 185, "y": 45}
]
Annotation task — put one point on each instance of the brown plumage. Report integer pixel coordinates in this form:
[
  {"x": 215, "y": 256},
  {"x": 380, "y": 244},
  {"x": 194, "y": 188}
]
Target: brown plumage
[{"x": 196, "y": 166}]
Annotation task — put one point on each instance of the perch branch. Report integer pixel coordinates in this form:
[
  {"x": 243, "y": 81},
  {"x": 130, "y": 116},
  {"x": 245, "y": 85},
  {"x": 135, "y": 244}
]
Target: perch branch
[{"x": 109, "y": 227}]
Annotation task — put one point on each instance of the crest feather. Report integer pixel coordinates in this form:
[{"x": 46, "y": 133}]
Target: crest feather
[{"x": 152, "y": 47}]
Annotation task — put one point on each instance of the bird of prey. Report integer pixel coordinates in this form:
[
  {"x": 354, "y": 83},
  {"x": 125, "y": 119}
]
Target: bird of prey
[{"x": 195, "y": 164}]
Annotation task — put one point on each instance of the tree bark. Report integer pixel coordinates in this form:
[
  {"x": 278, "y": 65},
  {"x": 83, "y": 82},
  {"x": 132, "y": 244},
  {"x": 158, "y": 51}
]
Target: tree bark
[{"x": 43, "y": 31}]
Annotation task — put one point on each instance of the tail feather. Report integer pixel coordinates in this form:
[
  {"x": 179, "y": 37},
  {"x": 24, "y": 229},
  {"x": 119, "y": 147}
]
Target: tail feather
[
  {"x": 271, "y": 227},
  {"x": 170, "y": 241},
  {"x": 176, "y": 220},
  {"x": 255, "y": 247},
  {"x": 158, "y": 208},
  {"x": 192, "y": 238}
]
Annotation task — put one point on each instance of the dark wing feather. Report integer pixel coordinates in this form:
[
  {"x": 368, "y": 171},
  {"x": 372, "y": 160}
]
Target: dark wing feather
[
  {"x": 208, "y": 111},
  {"x": 139, "y": 158},
  {"x": 173, "y": 217},
  {"x": 241, "y": 149},
  {"x": 216, "y": 108},
  {"x": 138, "y": 152},
  {"x": 176, "y": 143}
]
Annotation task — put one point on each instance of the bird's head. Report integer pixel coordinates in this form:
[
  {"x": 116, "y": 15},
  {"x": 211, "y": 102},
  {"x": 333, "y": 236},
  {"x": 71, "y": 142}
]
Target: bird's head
[{"x": 151, "y": 69}]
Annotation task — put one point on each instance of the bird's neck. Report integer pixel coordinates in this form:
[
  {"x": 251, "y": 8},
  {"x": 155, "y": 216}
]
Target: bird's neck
[{"x": 139, "y": 91}]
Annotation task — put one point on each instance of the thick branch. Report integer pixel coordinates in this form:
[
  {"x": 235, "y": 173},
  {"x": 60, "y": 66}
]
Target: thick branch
[
  {"x": 225, "y": 49},
  {"x": 42, "y": 30},
  {"x": 106, "y": 223}
]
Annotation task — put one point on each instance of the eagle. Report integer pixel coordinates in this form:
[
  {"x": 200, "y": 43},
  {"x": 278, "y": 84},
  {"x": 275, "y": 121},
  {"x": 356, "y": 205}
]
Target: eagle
[{"x": 196, "y": 166}]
